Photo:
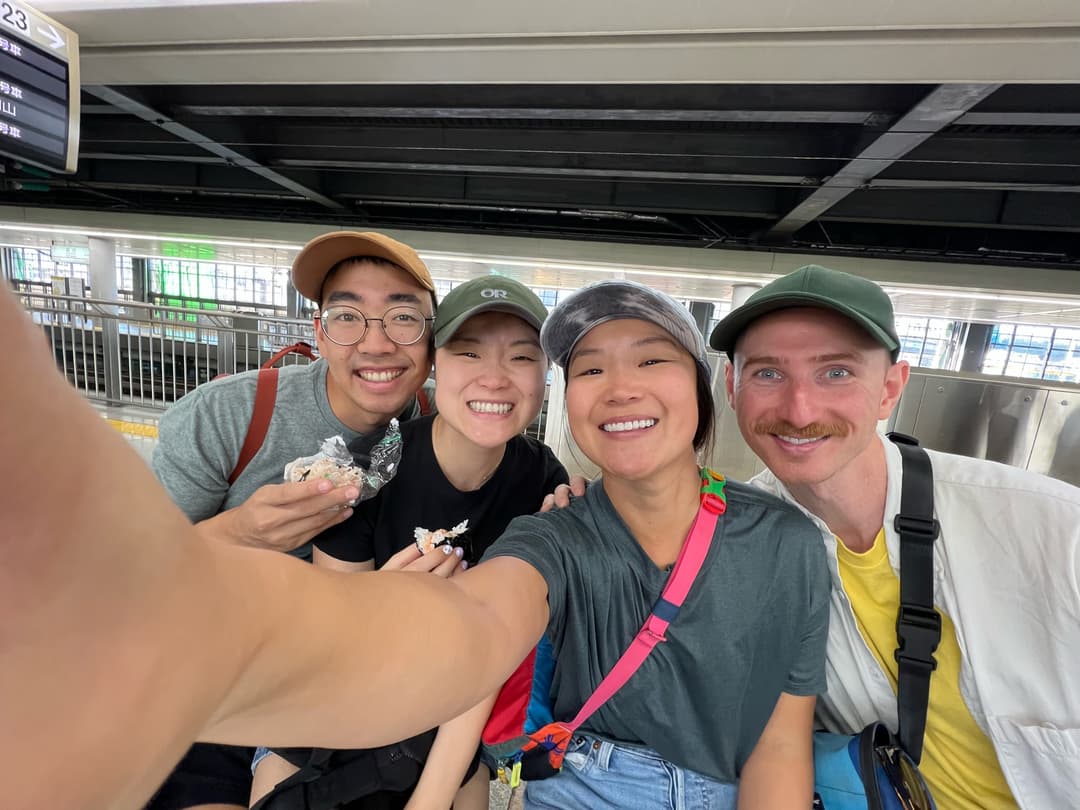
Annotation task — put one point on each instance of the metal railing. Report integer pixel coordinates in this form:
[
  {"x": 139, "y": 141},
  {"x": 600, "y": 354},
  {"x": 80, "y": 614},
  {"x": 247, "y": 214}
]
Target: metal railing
[
  {"x": 125, "y": 352},
  {"x": 128, "y": 353}
]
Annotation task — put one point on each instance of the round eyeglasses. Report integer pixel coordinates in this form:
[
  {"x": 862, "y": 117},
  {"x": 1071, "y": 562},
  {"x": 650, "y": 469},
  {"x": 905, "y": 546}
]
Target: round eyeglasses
[{"x": 346, "y": 326}]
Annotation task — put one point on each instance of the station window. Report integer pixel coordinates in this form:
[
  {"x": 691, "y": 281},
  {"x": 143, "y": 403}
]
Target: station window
[
  {"x": 37, "y": 267},
  {"x": 125, "y": 279},
  {"x": 1034, "y": 352},
  {"x": 928, "y": 342},
  {"x": 720, "y": 311},
  {"x": 210, "y": 285}
]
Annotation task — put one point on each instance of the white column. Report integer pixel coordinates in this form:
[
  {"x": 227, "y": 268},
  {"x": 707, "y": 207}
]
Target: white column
[
  {"x": 102, "y": 272},
  {"x": 103, "y": 269},
  {"x": 740, "y": 292}
]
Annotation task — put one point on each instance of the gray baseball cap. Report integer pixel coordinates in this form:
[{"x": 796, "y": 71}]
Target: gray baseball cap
[{"x": 607, "y": 301}]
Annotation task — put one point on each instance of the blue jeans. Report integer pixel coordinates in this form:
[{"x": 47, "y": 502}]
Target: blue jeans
[
  {"x": 601, "y": 775},
  {"x": 261, "y": 753}
]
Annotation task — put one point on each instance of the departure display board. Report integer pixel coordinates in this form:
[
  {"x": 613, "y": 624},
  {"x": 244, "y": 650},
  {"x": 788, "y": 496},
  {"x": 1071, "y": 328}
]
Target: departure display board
[{"x": 39, "y": 88}]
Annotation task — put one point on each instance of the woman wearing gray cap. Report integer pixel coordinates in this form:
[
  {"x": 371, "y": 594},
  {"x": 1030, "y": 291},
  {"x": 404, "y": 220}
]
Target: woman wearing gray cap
[{"x": 719, "y": 711}]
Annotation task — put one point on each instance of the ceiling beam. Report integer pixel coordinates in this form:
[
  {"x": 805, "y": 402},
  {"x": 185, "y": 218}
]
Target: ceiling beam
[
  {"x": 1020, "y": 119},
  {"x": 940, "y": 108},
  {"x": 975, "y": 185},
  {"x": 568, "y": 41},
  {"x": 857, "y": 117},
  {"x": 510, "y": 169},
  {"x": 615, "y": 174},
  {"x": 231, "y": 156}
]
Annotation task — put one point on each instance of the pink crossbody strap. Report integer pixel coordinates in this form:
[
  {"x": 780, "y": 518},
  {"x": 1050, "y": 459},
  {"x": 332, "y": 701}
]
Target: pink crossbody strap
[{"x": 694, "y": 551}]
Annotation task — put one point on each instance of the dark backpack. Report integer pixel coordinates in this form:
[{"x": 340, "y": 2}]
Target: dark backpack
[{"x": 331, "y": 779}]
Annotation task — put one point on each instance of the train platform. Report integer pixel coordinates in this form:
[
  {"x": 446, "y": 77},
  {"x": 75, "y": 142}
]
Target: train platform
[{"x": 138, "y": 425}]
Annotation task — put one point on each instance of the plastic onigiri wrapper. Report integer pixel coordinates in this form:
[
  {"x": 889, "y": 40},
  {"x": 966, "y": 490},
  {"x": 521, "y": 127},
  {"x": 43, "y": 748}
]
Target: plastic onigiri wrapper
[{"x": 367, "y": 468}]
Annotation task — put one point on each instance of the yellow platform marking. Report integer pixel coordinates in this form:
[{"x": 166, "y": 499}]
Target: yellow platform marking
[{"x": 134, "y": 428}]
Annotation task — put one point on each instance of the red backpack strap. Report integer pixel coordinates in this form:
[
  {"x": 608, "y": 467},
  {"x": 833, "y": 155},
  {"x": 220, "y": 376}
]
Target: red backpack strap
[
  {"x": 423, "y": 401},
  {"x": 263, "y": 412},
  {"x": 265, "y": 397},
  {"x": 300, "y": 347}
]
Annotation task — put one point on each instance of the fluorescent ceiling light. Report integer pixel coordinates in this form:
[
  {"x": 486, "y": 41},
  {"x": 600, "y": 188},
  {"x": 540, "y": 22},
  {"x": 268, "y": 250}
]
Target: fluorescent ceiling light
[
  {"x": 984, "y": 296},
  {"x": 200, "y": 240},
  {"x": 607, "y": 269}
]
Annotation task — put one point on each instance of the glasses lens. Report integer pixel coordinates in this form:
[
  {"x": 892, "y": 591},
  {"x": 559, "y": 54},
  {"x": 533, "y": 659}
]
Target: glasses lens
[
  {"x": 905, "y": 778},
  {"x": 404, "y": 325},
  {"x": 344, "y": 325}
]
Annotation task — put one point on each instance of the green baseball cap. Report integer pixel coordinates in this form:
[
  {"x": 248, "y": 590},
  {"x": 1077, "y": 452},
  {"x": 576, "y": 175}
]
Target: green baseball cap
[
  {"x": 486, "y": 294},
  {"x": 857, "y": 298}
]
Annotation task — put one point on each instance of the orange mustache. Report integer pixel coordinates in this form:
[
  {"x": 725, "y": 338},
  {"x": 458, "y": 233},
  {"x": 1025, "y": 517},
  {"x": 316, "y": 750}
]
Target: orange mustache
[{"x": 815, "y": 430}]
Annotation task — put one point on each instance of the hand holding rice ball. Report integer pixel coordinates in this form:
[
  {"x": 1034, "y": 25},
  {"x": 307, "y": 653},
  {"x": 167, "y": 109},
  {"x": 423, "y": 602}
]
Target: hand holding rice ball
[{"x": 336, "y": 463}]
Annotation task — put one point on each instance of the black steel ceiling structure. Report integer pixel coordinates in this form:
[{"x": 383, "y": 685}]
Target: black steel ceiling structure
[{"x": 956, "y": 172}]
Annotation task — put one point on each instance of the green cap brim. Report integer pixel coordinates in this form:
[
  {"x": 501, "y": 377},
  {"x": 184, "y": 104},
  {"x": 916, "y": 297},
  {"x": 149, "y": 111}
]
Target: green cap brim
[{"x": 727, "y": 332}]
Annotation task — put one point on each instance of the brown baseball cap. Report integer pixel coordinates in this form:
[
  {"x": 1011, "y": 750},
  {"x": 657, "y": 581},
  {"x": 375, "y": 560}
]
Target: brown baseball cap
[{"x": 322, "y": 254}]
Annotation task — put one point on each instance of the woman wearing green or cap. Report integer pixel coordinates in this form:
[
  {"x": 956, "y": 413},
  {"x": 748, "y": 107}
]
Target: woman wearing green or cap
[
  {"x": 465, "y": 473},
  {"x": 720, "y": 714}
]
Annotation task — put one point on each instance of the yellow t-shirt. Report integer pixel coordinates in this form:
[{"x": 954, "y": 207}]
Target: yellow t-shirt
[{"x": 958, "y": 761}]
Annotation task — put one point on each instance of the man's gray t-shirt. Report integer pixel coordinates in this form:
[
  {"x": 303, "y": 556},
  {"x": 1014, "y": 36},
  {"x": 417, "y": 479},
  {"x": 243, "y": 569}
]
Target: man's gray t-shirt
[
  {"x": 753, "y": 625},
  {"x": 200, "y": 436}
]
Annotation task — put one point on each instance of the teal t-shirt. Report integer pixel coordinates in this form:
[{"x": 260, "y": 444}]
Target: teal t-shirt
[{"x": 753, "y": 625}]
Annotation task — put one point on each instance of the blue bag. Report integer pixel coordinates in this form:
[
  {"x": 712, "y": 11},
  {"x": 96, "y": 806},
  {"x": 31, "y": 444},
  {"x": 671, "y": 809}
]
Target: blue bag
[{"x": 866, "y": 771}]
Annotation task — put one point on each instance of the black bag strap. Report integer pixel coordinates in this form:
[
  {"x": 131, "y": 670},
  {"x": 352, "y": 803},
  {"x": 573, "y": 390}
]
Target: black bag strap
[
  {"x": 331, "y": 778},
  {"x": 918, "y": 624},
  {"x": 289, "y": 794}
]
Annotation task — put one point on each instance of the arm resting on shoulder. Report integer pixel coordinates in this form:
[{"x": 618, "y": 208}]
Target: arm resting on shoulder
[{"x": 779, "y": 775}]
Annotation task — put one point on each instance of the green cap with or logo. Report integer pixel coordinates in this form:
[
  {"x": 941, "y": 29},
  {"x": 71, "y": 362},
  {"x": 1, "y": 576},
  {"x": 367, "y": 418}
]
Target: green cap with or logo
[
  {"x": 857, "y": 298},
  {"x": 486, "y": 294}
]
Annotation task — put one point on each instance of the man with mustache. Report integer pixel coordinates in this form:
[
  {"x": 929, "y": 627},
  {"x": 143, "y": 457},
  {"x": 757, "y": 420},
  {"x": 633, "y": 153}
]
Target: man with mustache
[{"x": 813, "y": 370}]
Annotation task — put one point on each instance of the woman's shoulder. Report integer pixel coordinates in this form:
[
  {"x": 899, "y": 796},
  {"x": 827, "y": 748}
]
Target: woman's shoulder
[
  {"x": 577, "y": 523},
  {"x": 533, "y": 459},
  {"x": 747, "y": 497},
  {"x": 755, "y": 507},
  {"x": 527, "y": 446}
]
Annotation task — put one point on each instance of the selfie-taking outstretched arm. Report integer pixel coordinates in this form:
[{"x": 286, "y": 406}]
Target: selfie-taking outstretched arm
[{"x": 127, "y": 635}]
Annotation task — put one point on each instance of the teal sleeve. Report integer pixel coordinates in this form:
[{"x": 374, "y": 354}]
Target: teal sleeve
[
  {"x": 530, "y": 539},
  {"x": 807, "y": 676}
]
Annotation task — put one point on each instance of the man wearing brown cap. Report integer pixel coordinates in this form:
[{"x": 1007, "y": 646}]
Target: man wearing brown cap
[
  {"x": 813, "y": 370},
  {"x": 354, "y": 389},
  {"x": 363, "y": 379}
]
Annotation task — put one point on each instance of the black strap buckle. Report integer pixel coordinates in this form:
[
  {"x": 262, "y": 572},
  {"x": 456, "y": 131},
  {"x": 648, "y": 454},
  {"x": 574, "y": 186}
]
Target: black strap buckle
[
  {"x": 918, "y": 631},
  {"x": 897, "y": 437},
  {"x": 918, "y": 527}
]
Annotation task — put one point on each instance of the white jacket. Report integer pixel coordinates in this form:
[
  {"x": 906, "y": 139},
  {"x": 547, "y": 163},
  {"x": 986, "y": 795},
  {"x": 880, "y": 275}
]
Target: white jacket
[{"x": 1007, "y": 572}]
